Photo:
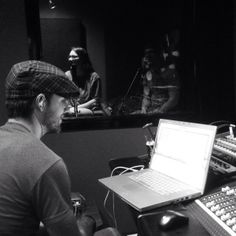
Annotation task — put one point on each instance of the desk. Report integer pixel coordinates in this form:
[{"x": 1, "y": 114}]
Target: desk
[{"x": 200, "y": 223}]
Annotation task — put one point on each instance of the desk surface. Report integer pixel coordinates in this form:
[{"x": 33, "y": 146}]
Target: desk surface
[
  {"x": 200, "y": 223},
  {"x": 148, "y": 225}
]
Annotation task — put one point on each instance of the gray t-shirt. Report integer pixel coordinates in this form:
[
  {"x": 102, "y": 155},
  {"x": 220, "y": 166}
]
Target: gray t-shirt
[{"x": 34, "y": 184}]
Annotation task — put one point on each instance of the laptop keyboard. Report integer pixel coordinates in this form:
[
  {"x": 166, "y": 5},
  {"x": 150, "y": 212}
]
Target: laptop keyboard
[{"x": 158, "y": 183}]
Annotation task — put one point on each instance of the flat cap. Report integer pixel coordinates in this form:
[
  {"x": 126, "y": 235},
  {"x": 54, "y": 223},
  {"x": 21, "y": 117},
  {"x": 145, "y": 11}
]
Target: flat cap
[{"x": 29, "y": 78}]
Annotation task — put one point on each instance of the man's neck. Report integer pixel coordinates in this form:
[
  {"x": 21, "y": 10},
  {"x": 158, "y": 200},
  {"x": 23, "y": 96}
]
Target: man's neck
[{"x": 32, "y": 125}]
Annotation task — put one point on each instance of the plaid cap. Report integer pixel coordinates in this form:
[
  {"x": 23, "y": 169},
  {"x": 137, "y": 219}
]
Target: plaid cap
[{"x": 29, "y": 78}]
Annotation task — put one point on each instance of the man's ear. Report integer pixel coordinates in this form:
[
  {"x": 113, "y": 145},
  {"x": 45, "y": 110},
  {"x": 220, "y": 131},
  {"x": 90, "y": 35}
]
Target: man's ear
[{"x": 40, "y": 102}]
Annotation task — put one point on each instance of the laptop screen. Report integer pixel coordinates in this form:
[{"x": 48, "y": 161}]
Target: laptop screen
[{"x": 182, "y": 150}]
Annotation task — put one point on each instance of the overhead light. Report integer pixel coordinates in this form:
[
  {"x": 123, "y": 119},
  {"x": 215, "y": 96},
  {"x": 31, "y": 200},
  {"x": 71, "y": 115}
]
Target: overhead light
[{"x": 51, "y": 4}]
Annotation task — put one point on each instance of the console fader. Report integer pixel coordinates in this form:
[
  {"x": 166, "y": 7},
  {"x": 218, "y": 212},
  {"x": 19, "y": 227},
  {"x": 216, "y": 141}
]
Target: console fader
[{"x": 221, "y": 208}]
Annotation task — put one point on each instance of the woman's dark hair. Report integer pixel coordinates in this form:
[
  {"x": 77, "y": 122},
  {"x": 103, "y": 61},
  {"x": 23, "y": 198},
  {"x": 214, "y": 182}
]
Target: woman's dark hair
[
  {"x": 85, "y": 65},
  {"x": 84, "y": 59}
]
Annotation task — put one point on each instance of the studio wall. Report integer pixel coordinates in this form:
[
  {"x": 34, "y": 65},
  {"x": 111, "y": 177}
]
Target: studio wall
[{"x": 13, "y": 42}]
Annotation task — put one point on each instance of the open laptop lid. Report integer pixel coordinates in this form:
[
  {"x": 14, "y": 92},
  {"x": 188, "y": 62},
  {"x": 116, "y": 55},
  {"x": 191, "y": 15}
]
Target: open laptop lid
[{"x": 182, "y": 150}]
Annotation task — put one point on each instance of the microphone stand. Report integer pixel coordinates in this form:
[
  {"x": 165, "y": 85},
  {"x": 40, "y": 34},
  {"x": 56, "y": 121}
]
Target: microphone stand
[
  {"x": 129, "y": 88},
  {"x": 149, "y": 143},
  {"x": 147, "y": 126}
]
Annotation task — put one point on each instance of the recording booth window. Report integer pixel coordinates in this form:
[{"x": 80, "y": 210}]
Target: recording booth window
[{"x": 139, "y": 73}]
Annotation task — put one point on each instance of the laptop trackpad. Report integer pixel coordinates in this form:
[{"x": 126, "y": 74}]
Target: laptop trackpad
[{"x": 133, "y": 186}]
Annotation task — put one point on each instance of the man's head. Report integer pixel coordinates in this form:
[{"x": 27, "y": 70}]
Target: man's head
[
  {"x": 33, "y": 86},
  {"x": 150, "y": 59}
]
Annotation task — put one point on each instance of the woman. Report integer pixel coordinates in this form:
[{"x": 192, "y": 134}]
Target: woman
[{"x": 88, "y": 81}]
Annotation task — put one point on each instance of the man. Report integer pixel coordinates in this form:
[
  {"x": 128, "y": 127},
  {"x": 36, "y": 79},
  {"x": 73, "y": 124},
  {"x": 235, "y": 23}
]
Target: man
[
  {"x": 34, "y": 182},
  {"x": 160, "y": 85}
]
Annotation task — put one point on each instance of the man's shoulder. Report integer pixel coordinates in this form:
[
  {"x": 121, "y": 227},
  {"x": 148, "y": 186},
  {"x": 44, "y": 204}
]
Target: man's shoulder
[
  {"x": 40, "y": 151},
  {"x": 24, "y": 145},
  {"x": 21, "y": 152}
]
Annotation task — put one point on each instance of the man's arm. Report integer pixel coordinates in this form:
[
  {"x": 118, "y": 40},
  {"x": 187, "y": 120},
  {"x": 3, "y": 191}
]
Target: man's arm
[
  {"x": 145, "y": 101},
  {"x": 67, "y": 226},
  {"x": 172, "y": 101},
  {"x": 52, "y": 203}
]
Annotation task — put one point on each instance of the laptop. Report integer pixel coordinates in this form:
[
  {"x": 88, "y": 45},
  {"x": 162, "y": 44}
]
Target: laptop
[{"x": 177, "y": 170}]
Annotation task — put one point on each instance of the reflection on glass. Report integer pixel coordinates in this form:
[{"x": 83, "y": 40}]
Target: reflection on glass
[
  {"x": 158, "y": 86},
  {"x": 141, "y": 62}
]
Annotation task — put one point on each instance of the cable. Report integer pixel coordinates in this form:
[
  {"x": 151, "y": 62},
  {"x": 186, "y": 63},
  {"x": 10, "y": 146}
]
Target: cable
[
  {"x": 219, "y": 122},
  {"x": 224, "y": 123},
  {"x": 125, "y": 169},
  {"x": 143, "y": 155},
  {"x": 222, "y": 126}
]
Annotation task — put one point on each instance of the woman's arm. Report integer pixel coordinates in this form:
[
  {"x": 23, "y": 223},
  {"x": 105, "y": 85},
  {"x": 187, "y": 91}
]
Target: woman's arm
[
  {"x": 88, "y": 104},
  {"x": 94, "y": 93},
  {"x": 68, "y": 74},
  {"x": 95, "y": 89}
]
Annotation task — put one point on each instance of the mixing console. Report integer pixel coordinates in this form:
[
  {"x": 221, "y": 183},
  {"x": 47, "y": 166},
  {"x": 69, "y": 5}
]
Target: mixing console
[
  {"x": 224, "y": 154},
  {"x": 221, "y": 207}
]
